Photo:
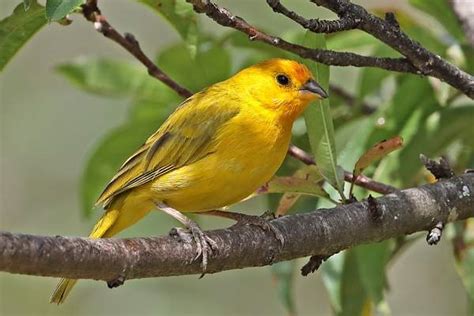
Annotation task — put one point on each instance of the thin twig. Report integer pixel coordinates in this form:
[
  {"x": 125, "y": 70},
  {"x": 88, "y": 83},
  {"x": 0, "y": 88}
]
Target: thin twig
[
  {"x": 361, "y": 180},
  {"x": 315, "y": 25},
  {"x": 434, "y": 235},
  {"x": 440, "y": 170},
  {"x": 92, "y": 13},
  {"x": 321, "y": 232}
]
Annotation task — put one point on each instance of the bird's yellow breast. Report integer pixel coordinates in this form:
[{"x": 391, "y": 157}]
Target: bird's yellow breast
[{"x": 249, "y": 150}]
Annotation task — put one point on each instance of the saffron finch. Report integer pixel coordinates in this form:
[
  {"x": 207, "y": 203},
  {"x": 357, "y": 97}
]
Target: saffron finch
[{"x": 217, "y": 148}]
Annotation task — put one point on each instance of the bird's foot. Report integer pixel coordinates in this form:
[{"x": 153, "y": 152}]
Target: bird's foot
[
  {"x": 262, "y": 221},
  {"x": 205, "y": 246}
]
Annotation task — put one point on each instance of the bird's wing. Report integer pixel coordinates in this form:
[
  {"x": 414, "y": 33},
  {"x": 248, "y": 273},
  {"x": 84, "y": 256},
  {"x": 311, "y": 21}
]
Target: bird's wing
[{"x": 187, "y": 136}]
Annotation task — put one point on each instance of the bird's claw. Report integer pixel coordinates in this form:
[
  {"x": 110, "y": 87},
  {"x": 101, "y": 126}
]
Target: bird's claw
[
  {"x": 263, "y": 222},
  {"x": 205, "y": 245}
]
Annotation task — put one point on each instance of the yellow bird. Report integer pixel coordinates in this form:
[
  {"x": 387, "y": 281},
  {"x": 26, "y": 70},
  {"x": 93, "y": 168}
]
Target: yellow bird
[{"x": 217, "y": 148}]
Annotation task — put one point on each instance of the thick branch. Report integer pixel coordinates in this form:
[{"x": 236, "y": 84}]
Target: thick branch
[
  {"x": 321, "y": 232},
  {"x": 389, "y": 32}
]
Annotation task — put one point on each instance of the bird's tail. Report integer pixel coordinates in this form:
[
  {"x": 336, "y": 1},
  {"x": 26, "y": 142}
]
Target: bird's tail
[{"x": 116, "y": 218}]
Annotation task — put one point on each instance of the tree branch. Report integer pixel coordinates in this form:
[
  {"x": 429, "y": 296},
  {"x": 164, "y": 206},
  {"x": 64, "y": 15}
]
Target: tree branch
[
  {"x": 92, "y": 13},
  {"x": 389, "y": 32},
  {"x": 315, "y": 25},
  {"x": 225, "y": 18},
  {"x": 321, "y": 232},
  {"x": 417, "y": 59}
]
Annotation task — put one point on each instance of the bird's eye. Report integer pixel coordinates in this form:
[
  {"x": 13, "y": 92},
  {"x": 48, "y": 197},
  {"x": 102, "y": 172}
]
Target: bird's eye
[{"x": 283, "y": 80}]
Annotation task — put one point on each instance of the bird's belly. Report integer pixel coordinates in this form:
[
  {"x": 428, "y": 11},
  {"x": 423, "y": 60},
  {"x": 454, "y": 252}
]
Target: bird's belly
[{"x": 220, "y": 179}]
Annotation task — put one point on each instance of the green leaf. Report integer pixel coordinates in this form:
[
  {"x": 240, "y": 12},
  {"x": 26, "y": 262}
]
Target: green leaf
[
  {"x": 58, "y": 9},
  {"x": 107, "y": 77},
  {"x": 18, "y": 28},
  {"x": 148, "y": 109},
  {"x": 442, "y": 12},
  {"x": 372, "y": 261},
  {"x": 331, "y": 274},
  {"x": 319, "y": 123},
  {"x": 371, "y": 78},
  {"x": 469, "y": 57},
  {"x": 109, "y": 154},
  {"x": 288, "y": 199},
  {"x": 353, "y": 294},
  {"x": 350, "y": 40},
  {"x": 465, "y": 262},
  {"x": 284, "y": 275},
  {"x": 211, "y": 65},
  {"x": 342, "y": 280},
  {"x": 447, "y": 126},
  {"x": 413, "y": 102},
  {"x": 351, "y": 140},
  {"x": 461, "y": 235},
  {"x": 181, "y": 16},
  {"x": 426, "y": 36}
]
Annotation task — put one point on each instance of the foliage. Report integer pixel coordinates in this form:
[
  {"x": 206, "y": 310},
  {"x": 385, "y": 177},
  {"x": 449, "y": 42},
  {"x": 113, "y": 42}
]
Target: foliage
[
  {"x": 58, "y": 9},
  {"x": 18, "y": 28},
  {"x": 427, "y": 114}
]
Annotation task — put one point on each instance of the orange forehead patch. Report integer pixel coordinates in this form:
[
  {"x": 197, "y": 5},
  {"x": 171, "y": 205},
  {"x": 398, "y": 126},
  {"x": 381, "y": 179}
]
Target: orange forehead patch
[
  {"x": 302, "y": 72},
  {"x": 293, "y": 68},
  {"x": 297, "y": 72}
]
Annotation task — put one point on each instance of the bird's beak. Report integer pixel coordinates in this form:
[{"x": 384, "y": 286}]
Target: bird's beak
[{"x": 313, "y": 87}]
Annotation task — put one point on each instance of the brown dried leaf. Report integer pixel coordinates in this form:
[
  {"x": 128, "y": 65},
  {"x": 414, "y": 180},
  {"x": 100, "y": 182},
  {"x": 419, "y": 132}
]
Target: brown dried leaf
[{"x": 376, "y": 152}]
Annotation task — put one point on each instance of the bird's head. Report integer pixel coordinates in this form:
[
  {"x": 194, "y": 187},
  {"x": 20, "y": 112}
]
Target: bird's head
[{"x": 281, "y": 85}]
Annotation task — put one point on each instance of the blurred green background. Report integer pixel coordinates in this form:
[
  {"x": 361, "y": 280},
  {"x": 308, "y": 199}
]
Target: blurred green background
[{"x": 49, "y": 128}]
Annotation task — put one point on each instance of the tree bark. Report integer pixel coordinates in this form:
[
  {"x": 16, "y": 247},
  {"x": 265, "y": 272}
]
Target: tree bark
[{"x": 322, "y": 232}]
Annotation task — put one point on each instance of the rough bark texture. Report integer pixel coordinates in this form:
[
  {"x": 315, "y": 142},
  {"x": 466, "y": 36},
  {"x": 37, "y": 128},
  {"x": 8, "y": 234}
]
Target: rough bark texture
[{"x": 321, "y": 232}]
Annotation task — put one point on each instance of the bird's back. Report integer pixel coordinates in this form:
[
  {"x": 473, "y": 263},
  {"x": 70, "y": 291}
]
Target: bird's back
[{"x": 214, "y": 150}]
